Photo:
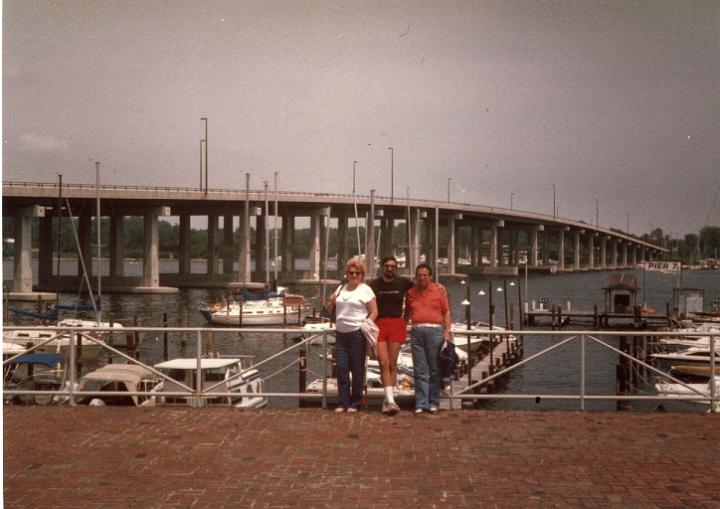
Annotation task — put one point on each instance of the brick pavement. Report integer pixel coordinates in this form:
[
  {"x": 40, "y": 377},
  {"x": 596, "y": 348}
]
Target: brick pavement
[{"x": 158, "y": 458}]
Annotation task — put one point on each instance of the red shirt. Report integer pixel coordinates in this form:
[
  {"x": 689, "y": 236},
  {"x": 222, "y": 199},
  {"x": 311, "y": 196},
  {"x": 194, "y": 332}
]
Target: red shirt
[{"x": 427, "y": 306}]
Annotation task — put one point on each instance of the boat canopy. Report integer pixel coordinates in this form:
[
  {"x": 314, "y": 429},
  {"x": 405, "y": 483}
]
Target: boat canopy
[
  {"x": 130, "y": 374},
  {"x": 48, "y": 359}
]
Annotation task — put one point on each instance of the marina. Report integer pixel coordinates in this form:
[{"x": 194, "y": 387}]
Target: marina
[{"x": 288, "y": 366}]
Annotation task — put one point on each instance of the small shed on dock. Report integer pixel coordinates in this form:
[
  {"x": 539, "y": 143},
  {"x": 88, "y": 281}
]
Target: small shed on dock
[{"x": 621, "y": 293}]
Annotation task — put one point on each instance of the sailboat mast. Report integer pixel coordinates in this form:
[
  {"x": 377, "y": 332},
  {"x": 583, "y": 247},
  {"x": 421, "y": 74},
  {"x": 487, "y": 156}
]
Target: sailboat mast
[
  {"x": 59, "y": 246},
  {"x": 99, "y": 236}
]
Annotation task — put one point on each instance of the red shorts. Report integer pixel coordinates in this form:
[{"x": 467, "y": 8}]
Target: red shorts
[{"x": 392, "y": 329}]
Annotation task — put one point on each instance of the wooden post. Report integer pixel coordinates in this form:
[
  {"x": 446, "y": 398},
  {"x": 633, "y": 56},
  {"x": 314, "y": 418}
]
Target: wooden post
[
  {"x": 136, "y": 340},
  {"x": 209, "y": 344},
  {"x": 302, "y": 369},
  {"x": 165, "y": 338},
  {"x": 623, "y": 376}
]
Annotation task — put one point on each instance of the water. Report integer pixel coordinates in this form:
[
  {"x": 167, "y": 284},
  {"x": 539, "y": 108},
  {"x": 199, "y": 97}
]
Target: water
[{"x": 555, "y": 373}]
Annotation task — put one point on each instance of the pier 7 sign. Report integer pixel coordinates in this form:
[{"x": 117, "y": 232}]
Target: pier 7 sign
[{"x": 662, "y": 266}]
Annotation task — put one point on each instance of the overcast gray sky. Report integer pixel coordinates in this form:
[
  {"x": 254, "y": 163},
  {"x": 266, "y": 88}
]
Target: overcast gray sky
[{"x": 617, "y": 101}]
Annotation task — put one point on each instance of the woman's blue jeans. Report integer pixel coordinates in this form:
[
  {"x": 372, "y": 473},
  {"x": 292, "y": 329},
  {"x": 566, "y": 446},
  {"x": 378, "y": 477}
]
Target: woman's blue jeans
[
  {"x": 425, "y": 343},
  {"x": 350, "y": 360}
]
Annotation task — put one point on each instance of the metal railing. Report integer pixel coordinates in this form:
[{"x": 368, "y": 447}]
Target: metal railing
[{"x": 198, "y": 393}]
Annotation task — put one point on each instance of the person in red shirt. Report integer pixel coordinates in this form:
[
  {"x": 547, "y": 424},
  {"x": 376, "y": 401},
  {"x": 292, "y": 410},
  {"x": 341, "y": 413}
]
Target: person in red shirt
[{"x": 427, "y": 306}]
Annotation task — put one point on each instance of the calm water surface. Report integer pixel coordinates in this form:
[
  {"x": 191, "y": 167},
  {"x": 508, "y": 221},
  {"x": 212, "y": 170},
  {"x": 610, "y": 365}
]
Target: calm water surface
[{"x": 555, "y": 373}]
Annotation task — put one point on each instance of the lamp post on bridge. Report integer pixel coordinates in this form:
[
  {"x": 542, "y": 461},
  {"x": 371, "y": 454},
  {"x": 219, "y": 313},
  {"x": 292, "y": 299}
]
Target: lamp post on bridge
[
  {"x": 554, "y": 216},
  {"x": 448, "y": 188},
  {"x": 354, "y": 163},
  {"x": 392, "y": 172},
  {"x": 597, "y": 212},
  {"x": 511, "y": 200},
  {"x": 204, "y": 119}
]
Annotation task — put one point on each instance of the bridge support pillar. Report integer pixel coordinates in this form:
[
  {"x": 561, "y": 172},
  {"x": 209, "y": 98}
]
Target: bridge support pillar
[
  {"x": 212, "y": 257},
  {"x": 614, "y": 245},
  {"x": 45, "y": 251},
  {"x": 414, "y": 260},
  {"x": 315, "y": 253},
  {"x": 261, "y": 256},
  {"x": 634, "y": 255},
  {"x": 624, "y": 254},
  {"x": 591, "y": 251},
  {"x": 287, "y": 239},
  {"x": 84, "y": 237},
  {"x": 452, "y": 242},
  {"x": 151, "y": 250},
  {"x": 603, "y": 252},
  {"x": 494, "y": 245},
  {"x": 227, "y": 245},
  {"x": 22, "y": 273},
  {"x": 576, "y": 259},
  {"x": 342, "y": 245},
  {"x": 561, "y": 249},
  {"x": 244, "y": 256},
  {"x": 386, "y": 231},
  {"x": 475, "y": 242},
  {"x": 184, "y": 258}
]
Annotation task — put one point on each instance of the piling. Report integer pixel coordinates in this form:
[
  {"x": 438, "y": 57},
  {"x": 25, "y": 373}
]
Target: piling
[
  {"x": 623, "y": 376},
  {"x": 165, "y": 337}
]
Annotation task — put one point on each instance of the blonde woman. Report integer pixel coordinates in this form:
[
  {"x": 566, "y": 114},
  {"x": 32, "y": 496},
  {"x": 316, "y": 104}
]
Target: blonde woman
[{"x": 352, "y": 302}]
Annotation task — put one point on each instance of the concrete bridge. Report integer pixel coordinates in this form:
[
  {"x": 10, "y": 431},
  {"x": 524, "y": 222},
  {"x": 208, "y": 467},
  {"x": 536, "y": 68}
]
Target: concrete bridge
[{"x": 496, "y": 240}]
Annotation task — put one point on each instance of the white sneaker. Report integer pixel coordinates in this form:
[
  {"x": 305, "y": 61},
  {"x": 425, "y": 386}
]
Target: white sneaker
[
  {"x": 434, "y": 409},
  {"x": 419, "y": 410}
]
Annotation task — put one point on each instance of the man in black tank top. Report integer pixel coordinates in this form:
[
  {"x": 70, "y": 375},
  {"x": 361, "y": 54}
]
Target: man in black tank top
[{"x": 390, "y": 291}]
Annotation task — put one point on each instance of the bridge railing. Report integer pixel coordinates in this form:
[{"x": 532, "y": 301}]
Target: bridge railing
[
  {"x": 484, "y": 209},
  {"x": 203, "y": 335}
]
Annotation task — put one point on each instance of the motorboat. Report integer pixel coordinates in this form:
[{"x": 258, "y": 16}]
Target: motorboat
[
  {"x": 271, "y": 311},
  {"x": 54, "y": 341},
  {"x": 119, "y": 378},
  {"x": 34, "y": 372},
  {"x": 479, "y": 336},
  {"x": 672, "y": 390},
  {"x": 404, "y": 389},
  {"x": 694, "y": 354},
  {"x": 693, "y": 370},
  {"x": 218, "y": 375}
]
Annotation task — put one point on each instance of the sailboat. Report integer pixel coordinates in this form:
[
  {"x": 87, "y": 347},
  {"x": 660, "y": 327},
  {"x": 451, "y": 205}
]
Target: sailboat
[{"x": 52, "y": 341}]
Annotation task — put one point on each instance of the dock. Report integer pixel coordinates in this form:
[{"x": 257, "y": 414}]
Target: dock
[
  {"x": 557, "y": 318},
  {"x": 502, "y": 354}
]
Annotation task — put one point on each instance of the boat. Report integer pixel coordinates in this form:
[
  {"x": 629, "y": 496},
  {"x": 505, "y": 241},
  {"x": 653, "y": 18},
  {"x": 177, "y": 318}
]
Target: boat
[
  {"x": 479, "y": 334},
  {"x": 404, "y": 387},
  {"x": 34, "y": 372},
  {"x": 693, "y": 370},
  {"x": 272, "y": 311},
  {"x": 119, "y": 378},
  {"x": 695, "y": 354},
  {"x": 221, "y": 374},
  {"x": 678, "y": 391},
  {"x": 54, "y": 341}
]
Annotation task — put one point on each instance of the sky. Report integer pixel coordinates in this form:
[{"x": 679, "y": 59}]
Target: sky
[{"x": 614, "y": 103}]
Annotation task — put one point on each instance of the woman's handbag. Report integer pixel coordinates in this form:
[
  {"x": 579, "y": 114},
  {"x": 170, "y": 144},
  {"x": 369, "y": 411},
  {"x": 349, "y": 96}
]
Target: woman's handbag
[{"x": 370, "y": 331}]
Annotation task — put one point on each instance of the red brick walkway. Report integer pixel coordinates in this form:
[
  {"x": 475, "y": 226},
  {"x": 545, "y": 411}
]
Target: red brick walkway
[{"x": 118, "y": 457}]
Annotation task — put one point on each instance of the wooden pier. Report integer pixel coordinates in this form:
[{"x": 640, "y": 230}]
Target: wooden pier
[
  {"x": 559, "y": 318},
  {"x": 503, "y": 353}
]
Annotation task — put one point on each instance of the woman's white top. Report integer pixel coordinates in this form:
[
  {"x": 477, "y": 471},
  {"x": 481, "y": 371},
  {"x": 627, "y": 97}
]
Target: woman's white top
[{"x": 351, "y": 307}]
